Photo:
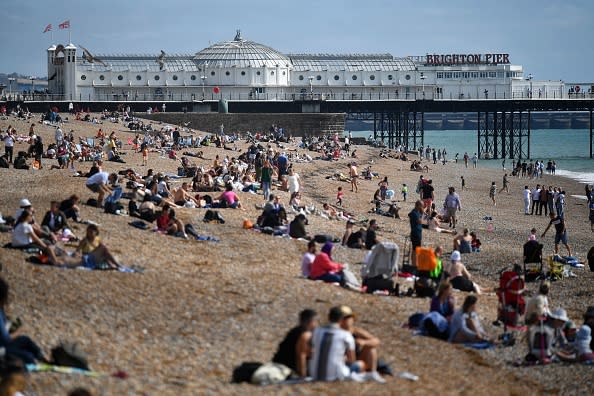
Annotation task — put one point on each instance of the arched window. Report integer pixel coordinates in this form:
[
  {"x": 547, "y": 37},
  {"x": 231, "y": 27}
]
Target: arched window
[{"x": 336, "y": 77}]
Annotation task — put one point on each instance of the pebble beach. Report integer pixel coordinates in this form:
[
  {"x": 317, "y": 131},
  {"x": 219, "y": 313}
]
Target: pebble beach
[{"x": 200, "y": 308}]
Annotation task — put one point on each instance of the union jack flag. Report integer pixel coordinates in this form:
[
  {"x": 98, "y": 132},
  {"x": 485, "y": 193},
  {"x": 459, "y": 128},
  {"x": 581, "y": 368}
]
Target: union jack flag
[
  {"x": 64, "y": 25},
  {"x": 47, "y": 28}
]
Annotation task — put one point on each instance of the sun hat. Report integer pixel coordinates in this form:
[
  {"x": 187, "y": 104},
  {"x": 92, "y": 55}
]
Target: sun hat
[
  {"x": 346, "y": 311},
  {"x": 25, "y": 203},
  {"x": 455, "y": 256},
  {"x": 559, "y": 314}
]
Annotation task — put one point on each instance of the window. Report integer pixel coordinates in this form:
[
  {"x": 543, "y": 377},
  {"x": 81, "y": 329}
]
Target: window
[
  {"x": 390, "y": 77},
  {"x": 193, "y": 77},
  {"x": 83, "y": 77},
  {"x": 120, "y": 77},
  {"x": 138, "y": 77},
  {"x": 372, "y": 77},
  {"x": 447, "y": 75},
  {"x": 243, "y": 73},
  {"x": 336, "y": 77},
  {"x": 157, "y": 78},
  {"x": 212, "y": 73},
  {"x": 439, "y": 74},
  {"x": 318, "y": 77},
  {"x": 354, "y": 77},
  {"x": 227, "y": 73},
  {"x": 102, "y": 77},
  {"x": 300, "y": 78},
  {"x": 174, "y": 78},
  {"x": 258, "y": 73},
  {"x": 474, "y": 74},
  {"x": 407, "y": 77},
  {"x": 492, "y": 74},
  {"x": 284, "y": 72},
  {"x": 483, "y": 74},
  {"x": 465, "y": 75},
  {"x": 456, "y": 74},
  {"x": 272, "y": 73}
]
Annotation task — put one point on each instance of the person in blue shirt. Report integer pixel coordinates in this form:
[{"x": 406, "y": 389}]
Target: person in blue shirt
[{"x": 19, "y": 346}]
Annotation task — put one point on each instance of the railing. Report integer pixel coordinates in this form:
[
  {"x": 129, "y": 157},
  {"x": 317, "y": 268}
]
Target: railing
[{"x": 366, "y": 96}]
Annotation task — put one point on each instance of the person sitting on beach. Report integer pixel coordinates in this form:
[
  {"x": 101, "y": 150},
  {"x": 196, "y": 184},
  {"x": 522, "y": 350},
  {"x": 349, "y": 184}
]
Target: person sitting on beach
[
  {"x": 99, "y": 183},
  {"x": 459, "y": 276},
  {"x": 295, "y": 202},
  {"x": 169, "y": 224},
  {"x": 297, "y": 227},
  {"x": 12, "y": 343},
  {"x": 371, "y": 238},
  {"x": 54, "y": 221},
  {"x": 475, "y": 243},
  {"x": 295, "y": 349},
  {"x": 583, "y": 338},
  {"x": 24, "y": 237},
  {"x": 70, "y": 208},
  {"x": 229, "y": 199},
  {"x": 463, "y": 242},
  {"x": 356, "y": 240},
  {"x": 444, "y": 302},
  {"x": 182, "y": 198},
  {"x": 465, "y": 325},
  {"x": 308, "y": 259},
  {"x": 366, "y": 346},
  {"x": 537, "y": 307},
  {"x": 435, "y": 225},
  {"x": 324, "y": 269},
  {"x": 329, "y": 212},
  {"x": 93, "y": 252}
]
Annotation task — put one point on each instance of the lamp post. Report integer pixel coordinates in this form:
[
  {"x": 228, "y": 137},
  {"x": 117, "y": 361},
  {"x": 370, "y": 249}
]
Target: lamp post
[
  {"x": 32, "y": 87},
  {"x": 311, "y": 78},
  {"x": 203, "y": 78},
  {"x": 423, "y": 77},
  {"x": 10, "y": 80},
  {"x": 529, "y": 78}
]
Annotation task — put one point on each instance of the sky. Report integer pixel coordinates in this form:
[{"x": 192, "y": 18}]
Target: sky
[{"x": 551, "y": 39}]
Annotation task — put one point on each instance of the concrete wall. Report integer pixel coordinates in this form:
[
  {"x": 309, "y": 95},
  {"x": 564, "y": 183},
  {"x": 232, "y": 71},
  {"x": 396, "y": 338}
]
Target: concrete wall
[{"x": 294, "y": 124}]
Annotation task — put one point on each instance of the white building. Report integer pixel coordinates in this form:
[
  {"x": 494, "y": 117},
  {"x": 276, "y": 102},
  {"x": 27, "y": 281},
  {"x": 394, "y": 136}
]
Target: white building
[{"x": 245, "y": 70}]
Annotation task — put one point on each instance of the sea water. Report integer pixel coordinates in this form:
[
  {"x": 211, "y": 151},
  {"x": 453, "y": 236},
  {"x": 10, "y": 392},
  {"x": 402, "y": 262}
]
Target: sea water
[{"x": 569, "y": 148}]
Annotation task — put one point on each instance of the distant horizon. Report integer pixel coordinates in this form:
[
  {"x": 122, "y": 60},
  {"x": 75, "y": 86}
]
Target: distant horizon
[{"x": 548, "y": 38}]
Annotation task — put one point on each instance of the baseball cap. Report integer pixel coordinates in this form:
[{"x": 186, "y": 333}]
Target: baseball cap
[
  {"x": 455, "y": 256},
  {"x": 346, "y": 311},
  {"x": 24, "y": 203}
]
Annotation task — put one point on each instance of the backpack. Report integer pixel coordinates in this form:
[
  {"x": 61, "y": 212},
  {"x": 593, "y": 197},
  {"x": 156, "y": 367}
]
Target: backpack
[
  {"x": 323, "y": 238},
  {"x": 70, "y": 355},
  {"x": 270, "y": 373},
  {"x": 244, "y": 372}
]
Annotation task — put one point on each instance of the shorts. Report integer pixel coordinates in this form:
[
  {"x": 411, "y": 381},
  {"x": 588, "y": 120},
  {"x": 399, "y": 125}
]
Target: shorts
[
  {"x": 562, "y": 237},
  {"x": 463, "y": 284},
  {"x": 94, "y": 187},
  {"x": 427, "y": 202},
  {"x": 88, "y": 261},
  {"x": 451, "y": 212},
  {"x": 415, "y": 242},
  {"x": 355, "y": 367}
]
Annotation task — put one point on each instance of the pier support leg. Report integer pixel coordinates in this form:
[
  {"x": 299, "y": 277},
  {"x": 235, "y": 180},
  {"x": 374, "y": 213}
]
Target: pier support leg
[{"x": 591, "y": 134}]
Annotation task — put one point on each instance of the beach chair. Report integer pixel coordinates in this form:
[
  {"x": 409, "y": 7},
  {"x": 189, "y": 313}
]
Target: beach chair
[
  {"x": 510, "y": 294},
  {"x": 556, "y": 267},
  {"x": 380, "y": 266},
  {"x": 533, "y": 263}
]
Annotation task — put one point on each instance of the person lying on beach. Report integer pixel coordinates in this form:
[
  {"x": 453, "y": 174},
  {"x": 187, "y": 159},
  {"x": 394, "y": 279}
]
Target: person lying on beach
[
  {"x": 435, "y": 225},
  {"x": 24, "y": 237}
]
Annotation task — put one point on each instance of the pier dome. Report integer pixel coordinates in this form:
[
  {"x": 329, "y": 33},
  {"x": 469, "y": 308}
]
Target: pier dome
[{"x": 241, "y": 53}]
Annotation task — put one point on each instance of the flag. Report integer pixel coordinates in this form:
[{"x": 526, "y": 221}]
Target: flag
[
  {"x": 64, "y": 25},
  {"x": 47, "y": 28}
]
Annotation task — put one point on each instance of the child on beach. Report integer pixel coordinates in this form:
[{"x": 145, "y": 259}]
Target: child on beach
[
  {"x": 463, "y": 182},
  {"x": 404, "y": 191},
  {"x": 492, "y": 193},
  {"x": 339, "y": 196},
  {"x": 144, "y": 155}
]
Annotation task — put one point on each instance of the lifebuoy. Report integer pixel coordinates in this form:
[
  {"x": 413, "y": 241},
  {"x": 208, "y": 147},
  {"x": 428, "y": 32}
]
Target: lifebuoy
[{"x": 577, "y": 88}]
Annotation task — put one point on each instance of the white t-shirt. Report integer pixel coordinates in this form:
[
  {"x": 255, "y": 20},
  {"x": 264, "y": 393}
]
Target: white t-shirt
[
  {"x": 306, "y": 262},
  {"x": 335, "y": 341},
  {"x": 21, "y": 236},
  {"x": 536, "y": 194},
  {"x": 98, "y": 178},
  {"x": 293, "y": 183},
  {"x": 527, "y": 194},
  {"x": 9, "y": 141}
]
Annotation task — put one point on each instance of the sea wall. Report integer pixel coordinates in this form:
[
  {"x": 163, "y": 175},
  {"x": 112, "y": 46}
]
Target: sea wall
[{"x": 294, "y": 124}]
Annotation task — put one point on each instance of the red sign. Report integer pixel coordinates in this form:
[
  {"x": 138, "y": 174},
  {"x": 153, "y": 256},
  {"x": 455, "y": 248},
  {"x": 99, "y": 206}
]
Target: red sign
[
  {"x": 216, "y": 90},
  {"x": 468, "y": 59}
]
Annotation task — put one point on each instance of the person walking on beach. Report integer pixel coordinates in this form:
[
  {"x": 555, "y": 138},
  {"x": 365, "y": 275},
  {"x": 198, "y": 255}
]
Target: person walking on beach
[
  {"x": 354, "y": 175},
  {"x": 492, "y": 193},
  {"x": 527, "y": 194},
  {"x": 560, "y": 232},
  {"x": 474, "y": 161},
  {"x": 463, "y": 182},
  {"x": 452, "y": 205},
  {"x": 505, "y": 184},
  {"x": 466, "y": 157}
]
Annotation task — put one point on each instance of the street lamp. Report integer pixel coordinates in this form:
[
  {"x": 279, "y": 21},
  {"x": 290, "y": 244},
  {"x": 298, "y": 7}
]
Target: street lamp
[
  {"x": 203, "y": 78},
  {"x": 423, "y": 77},
  {"x": 311, "y": 78},
  {"x": 529, "y": 78},
  {"x": 32, "y": 78}
]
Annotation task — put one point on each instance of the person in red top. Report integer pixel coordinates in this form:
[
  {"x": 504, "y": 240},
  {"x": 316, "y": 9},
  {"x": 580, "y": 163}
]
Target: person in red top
[{"x": 323, "y": 268}]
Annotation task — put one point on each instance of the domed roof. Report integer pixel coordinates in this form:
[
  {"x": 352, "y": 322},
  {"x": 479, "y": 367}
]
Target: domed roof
[{"x": 241, "y": 53}]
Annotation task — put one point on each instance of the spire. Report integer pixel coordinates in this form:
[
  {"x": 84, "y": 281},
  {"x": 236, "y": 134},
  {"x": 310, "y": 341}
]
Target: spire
[{"x": 238, "y": 35}]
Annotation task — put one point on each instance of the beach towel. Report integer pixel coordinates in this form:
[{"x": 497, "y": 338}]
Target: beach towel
[{"x": 480, "y": 345}]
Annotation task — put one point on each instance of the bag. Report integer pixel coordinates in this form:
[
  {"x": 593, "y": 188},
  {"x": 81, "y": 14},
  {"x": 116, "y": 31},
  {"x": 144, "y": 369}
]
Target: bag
[
  {"x": 426, "y": 259},
  {"x": 92, "y": 202},
  {"x": 113, "y": 208},
  {"x": 350, "y": 279},
  {"x": 68, "y": 354},
  {"x": 270, "y": 373},
  {"x": 244, "y": 372},
  {"x": 425, "y": 287},
  {"x": 323, "y": 238},
  {"x": 379, "y": 283}
]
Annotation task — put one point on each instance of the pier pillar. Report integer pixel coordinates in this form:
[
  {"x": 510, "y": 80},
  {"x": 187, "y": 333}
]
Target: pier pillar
[{"x": 591, "y": 135}]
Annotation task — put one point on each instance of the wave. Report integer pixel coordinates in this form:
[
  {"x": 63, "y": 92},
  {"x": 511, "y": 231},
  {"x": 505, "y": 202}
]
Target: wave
[{"x": 582, "y": 177}]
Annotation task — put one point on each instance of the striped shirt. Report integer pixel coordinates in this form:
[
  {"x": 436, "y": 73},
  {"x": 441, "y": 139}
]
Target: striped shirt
[{"x": 330, "y": 344}]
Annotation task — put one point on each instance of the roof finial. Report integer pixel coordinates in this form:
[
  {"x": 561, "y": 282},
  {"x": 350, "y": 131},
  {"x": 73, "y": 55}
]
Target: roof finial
[{"x": 238, "y": 35}]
